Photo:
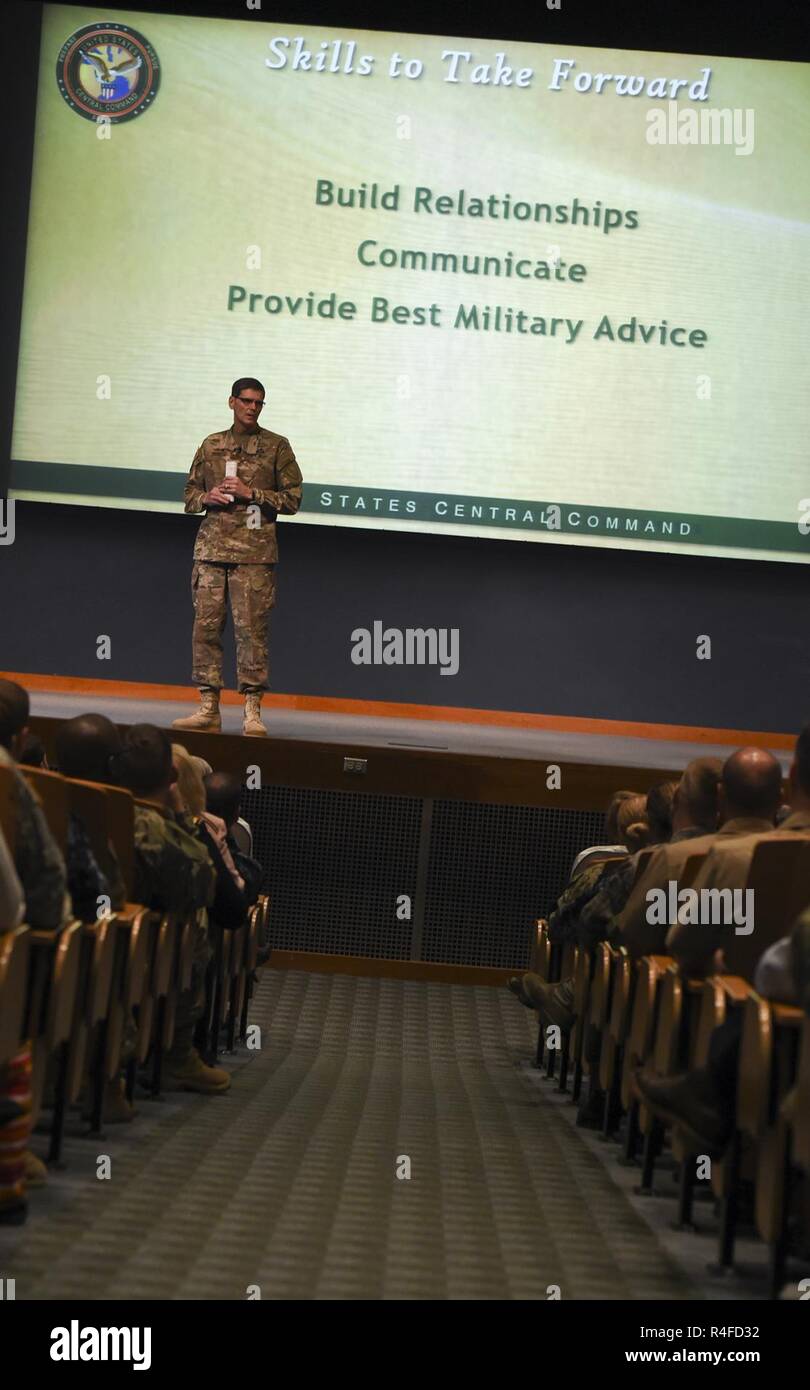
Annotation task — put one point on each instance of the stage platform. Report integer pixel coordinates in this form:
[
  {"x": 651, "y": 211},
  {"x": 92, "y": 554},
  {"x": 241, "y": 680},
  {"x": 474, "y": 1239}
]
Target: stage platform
[
  {"x": 412, "y": 841},
  {"x": 602, "y": 744}
]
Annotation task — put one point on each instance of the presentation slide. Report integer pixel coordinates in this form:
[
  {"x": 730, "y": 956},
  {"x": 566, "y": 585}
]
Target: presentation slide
[{"x": 510, "y": 290}]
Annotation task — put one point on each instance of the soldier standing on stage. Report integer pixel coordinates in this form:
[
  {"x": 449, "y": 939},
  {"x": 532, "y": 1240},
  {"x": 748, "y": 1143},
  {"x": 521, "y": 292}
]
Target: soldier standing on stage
[{"x": 241, "y": 478}]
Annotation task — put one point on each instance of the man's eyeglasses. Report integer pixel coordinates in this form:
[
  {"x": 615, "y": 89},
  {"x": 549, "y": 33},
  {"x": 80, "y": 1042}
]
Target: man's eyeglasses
[{"x": 247, "y": 401}]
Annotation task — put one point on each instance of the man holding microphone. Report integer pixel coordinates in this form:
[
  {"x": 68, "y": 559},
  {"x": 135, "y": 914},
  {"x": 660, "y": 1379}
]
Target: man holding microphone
[{"x": 241, "y": 478}]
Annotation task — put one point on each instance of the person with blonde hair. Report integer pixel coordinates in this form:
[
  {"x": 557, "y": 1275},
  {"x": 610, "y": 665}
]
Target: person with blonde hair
[
  {"x": 597, "y": 854},
  {"x": 586, "y": 910},
  {"x": 190, "y": 787}
]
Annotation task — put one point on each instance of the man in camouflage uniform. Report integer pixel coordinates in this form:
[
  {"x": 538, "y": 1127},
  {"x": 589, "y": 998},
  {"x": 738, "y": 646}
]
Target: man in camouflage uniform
[
  {"x": 173, "y": 873},
  {"x": 41, "y": 871},
  {"x": 241, "y": 478},
  {"x": 37, "y": 857}
]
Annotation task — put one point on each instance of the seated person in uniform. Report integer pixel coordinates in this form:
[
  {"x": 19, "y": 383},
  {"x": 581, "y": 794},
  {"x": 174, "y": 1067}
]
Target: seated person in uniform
[
  {"x": 40, "y": 869},
  {"x": 173, "y": 873},
  {"x": 223, "y": 793}
]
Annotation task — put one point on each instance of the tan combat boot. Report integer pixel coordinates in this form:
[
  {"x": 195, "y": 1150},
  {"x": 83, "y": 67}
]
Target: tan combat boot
[
  {"x": 207, "y": 719},
  {"x": 192, "y": 1074},
  {"x": 252, "y": 723}
]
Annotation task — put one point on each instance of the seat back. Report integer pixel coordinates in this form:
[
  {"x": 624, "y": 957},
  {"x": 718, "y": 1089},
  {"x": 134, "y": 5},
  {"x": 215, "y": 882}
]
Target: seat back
[
  {"x": 14, "y": 953},
  {"x": 51, "y": 788},
  {"x": 90, "y": 801},
  {"x": 754, "y": 1076},
  {"x": 599, "y": 1010},
  {"x": 691, "y": 868},
  {"x": 645, "y": 855},
  {"x": 120, "y": 807},
  {"x": 670, "y": 1022},
  {"x": 540, "y": 962},
  {"x": 621, "y": 1004},
  {"x": 801, "y": 1110},
  {"x": 649, "y": 972},
  {"x": 8, "y": 819},
  {"x": 779, "y": 875}
]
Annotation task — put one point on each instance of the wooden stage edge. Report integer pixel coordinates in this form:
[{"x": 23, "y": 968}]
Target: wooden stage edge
[
  {"x": 380, "y": 709},
  {"x": 379, "y": 968}
]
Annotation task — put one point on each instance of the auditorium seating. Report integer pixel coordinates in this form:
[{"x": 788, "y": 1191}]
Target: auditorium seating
[
  {"x": 649, "y": 1013},
  {"x": 72, "y": 992}
]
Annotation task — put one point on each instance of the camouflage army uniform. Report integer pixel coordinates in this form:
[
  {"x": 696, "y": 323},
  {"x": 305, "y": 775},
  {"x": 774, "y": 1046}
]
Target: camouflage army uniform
[
  {"x": 236, "y": 551},
  {"x": 37, "y": 858},
  {"x": 43, "y": 877},
  {"x": 563, "y": 920},
  {"x": 173, "y": 873}
]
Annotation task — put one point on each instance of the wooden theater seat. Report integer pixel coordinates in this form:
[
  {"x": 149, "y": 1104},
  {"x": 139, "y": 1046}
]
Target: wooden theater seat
[
  {"x": 540, "y": 959},
  {"x": 768, "y": 1068},
  {"x": 53, "y": 980},
  {"x": 15, "y": 948},
  {"x": 649, "y": 972},
  {"x": 779, "y": 875},
  {"x": 800, "y": 1122},
  {"x": 51, "y": 789},
  {"x": 8, "y": 819}
]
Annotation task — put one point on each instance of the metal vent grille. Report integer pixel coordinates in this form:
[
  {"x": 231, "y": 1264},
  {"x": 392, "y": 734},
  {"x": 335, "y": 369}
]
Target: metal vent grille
[
  {"x": 335, "y": 864},
  {"x": 492, "y": 871}
]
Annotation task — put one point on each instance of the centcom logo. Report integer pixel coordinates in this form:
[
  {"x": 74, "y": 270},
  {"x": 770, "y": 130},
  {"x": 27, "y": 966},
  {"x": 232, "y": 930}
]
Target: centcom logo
[{"x": 108, "y": 70}]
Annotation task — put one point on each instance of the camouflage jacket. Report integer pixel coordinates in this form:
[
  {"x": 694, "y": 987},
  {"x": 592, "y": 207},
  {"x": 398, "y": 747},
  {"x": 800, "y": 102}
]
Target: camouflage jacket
[
  {"x": 173, "y": 872},
  {"x": 86, "y": 880},
  {"x": 239, "y": 533},
  {"x": 563, "y": 922},
  {"x": 598, "y": 919},
  {"x": 37, "y": 858}
]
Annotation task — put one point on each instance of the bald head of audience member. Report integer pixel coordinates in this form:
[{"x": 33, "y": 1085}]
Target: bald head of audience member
[
  {"x": 15, "y": 708},
  {"x": 799, "y": 776},
  {"x": 223, "y": 794},
  {"x": 698, "y": 795},
  {"x": 750, "y": 785},
  {"x": 84, "y": 747}
]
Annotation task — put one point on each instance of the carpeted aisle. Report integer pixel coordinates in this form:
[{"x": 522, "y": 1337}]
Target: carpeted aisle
[{"x": 290, "y": 1181}]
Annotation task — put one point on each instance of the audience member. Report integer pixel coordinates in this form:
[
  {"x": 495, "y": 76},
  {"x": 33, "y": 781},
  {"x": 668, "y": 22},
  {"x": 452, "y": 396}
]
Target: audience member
[
  {"x": 36, "y": 855},
  {"x": 703, "y": 1101},
  {"x": 555, "y": 1001},
  {"x": 229, "y": 906},
  {"x": 223, "y": 794},
  {"x": 84, "y": 747},
  {"x": 750, "y": 792},
  {"x": 612, "y": 848},
  {"x": 41, "y": 873},
  {"x": 32, "y": 752},
  {"x": 173, "y": 873},
  {"x": 12, "y": 898}
]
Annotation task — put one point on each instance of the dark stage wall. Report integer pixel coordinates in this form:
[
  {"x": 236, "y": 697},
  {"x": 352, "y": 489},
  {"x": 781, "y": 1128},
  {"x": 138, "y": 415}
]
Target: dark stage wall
[{"x": 546, "y": 629}]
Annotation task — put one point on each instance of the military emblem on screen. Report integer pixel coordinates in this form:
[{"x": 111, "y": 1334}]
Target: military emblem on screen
[{"x": 108, "y": 70}]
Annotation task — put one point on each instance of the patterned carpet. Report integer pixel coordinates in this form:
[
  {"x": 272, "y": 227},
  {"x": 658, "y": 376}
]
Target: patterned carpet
[{"x": 289, "y": 1181}]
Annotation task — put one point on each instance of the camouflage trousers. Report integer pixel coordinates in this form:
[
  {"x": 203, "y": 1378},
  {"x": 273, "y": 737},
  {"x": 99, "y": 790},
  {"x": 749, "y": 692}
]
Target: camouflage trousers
[
  {"x": 252, "y": 593},
  {"x": 191, "y": 1003}
]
